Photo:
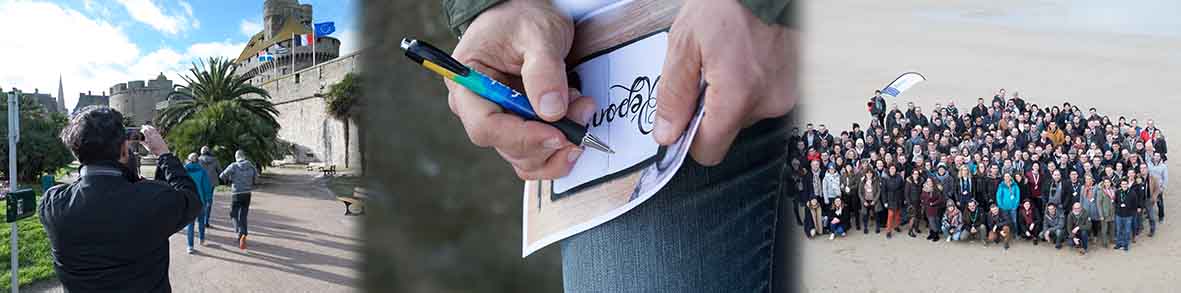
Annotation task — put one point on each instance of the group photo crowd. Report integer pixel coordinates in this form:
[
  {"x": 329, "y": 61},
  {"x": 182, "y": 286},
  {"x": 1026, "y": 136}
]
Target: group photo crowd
[{"x": 1060, "y": 174}]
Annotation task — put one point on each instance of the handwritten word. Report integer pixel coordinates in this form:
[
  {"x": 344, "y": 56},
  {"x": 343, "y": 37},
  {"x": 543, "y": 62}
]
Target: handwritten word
[{"x": 640, "y": 105}]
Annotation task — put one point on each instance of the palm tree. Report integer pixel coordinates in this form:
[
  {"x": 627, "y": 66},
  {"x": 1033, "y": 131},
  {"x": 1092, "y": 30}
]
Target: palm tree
[
  {"x": 341, "y": 101},
  {"x": 216, "y": 107},
  {"x": 212, "y": 83}
]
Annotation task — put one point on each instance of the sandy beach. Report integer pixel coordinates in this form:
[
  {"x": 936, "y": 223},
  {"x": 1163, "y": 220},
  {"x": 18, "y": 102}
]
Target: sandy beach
[{"x": 1122, "y": 61}]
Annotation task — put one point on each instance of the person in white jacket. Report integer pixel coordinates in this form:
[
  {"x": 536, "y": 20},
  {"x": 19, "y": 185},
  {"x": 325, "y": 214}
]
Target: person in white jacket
[{"x": 832, "y": 187}]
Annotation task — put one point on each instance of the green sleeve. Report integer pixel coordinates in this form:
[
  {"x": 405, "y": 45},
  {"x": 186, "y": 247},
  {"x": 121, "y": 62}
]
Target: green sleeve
[
  {"x": 460, "y": 13},
  {"x": 781, "y": 12}
]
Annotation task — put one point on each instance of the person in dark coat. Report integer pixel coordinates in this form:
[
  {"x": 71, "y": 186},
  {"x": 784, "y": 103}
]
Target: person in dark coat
[
  {"x": 1028, "y": 219},
  {"x": 1000, "y": 226},
  {"x": 838, "y": 219},
  {"x": 975, "y": 222},
  {"x": 892, "y": 187},
  {"x": 913, "y": 190}
]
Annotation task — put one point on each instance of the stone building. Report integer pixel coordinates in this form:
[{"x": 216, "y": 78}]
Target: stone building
[
  {"x": 137, "y": 99},
  {"x": 46, "y": 101},
  {"x": 88, "y": 99},
  {"x": 298, "y": 89},
  {"x": 314, "y": 134},
  {"x": 282, "y": 21}
]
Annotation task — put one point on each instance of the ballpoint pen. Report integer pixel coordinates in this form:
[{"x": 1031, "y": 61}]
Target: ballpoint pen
[{"x": 440, "y": 62}]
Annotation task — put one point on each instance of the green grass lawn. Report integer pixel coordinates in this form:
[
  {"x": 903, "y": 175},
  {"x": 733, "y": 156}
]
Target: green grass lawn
[{"x": 36, "y": 263}]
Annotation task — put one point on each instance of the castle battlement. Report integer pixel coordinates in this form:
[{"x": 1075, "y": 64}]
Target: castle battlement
[{"x": 160, "y": 83}]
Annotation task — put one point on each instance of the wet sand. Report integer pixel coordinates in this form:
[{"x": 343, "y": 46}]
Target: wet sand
[{"x": 967, "y": 50}]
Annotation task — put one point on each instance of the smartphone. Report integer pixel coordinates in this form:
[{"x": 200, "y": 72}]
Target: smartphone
[{"x": 134, "y": 134}]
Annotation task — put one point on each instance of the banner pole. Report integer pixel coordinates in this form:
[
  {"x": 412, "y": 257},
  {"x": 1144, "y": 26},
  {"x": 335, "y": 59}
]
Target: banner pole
[{"x": 13, "y": 136}]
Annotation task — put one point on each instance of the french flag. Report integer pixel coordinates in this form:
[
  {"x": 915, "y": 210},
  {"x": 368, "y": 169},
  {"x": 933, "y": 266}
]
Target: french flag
[{"x": 303, "y": 40}]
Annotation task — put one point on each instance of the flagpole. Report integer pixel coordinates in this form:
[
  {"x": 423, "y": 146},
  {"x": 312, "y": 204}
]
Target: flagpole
[
  {"x": 314, "y": 41},
  {"x": 293, "y": 47}
]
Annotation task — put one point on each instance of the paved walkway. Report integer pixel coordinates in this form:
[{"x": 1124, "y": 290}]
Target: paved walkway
[{"x": 300, "y": 241}]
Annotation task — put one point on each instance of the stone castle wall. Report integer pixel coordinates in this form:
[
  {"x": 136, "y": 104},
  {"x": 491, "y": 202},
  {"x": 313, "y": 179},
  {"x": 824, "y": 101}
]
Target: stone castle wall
[
  {"x": 316, "y": 136},
  {"x": 137, "y": 99}
]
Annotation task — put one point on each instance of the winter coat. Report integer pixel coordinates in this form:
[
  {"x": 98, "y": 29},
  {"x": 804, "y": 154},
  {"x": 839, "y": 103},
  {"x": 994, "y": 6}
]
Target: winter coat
[
  {"x": 1106, "y": 205},
  {"x": 1008, "y": 196},
  {"x": 1052, "y": 222},
  {"x": 1081, "y": 220},
  {"x": 204, "y": 187},
  {"x": 892, "y": 193},
  {"x": 832, "y": 187}
]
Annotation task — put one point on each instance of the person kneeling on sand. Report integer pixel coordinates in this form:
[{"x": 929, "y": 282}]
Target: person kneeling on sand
[
  {"x": 813, "y": 223},
  {"x": 1052, "y": 226},
  {"x": 1027, "y": 220},
  {"x": 1079, "y": 224},
  {"x": 973, "y": 222},
  {"x": 953, "y": 223},
  {"x": 1001, "y": 226},
  {"x": 838, "y": 221}
]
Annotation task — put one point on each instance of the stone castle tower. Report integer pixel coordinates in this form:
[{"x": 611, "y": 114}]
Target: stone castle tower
[
  {"x": 138, "y": 100},
  {"x": 282, "y": 20}
]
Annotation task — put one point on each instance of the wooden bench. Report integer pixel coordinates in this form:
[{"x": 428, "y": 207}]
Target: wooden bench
[
  {"x": 328, "y": 170},
  {"x": 358, "y": 199}
]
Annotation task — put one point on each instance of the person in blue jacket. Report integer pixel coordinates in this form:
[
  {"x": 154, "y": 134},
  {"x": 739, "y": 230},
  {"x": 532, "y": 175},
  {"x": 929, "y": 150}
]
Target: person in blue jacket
[
  {"x": 205, "y": 192},
  {"x": 1008, "y": 195}
]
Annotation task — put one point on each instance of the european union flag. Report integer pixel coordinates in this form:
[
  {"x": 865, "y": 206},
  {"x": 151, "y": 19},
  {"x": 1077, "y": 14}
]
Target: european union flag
[{"x": 325, "y": 28}]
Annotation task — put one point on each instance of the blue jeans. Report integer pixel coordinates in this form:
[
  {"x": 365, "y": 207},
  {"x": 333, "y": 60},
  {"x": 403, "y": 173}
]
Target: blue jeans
[
  {"x": 1150, "y": 213},
  {"x": 1082, "y": 238},
  {"x": 1123, "y": 231},
  {"x": 201, "y": 221},
  {"x": 838, "y": 229},
  {"x": 957, "y": 236},
  {"x": 1012, "y": 214},
  {"x": 711, "y": 229}
]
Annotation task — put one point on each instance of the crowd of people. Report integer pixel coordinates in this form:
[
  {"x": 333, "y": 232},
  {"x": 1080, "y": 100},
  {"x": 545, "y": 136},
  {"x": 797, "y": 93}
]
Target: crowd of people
[{"x": 1002, "y": 169}]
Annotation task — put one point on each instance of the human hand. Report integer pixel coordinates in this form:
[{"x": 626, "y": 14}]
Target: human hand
[
  {"x": 749, "y": 66},
  {"x": 521, "y": 43},
  {"x": 153, "y": 142}
]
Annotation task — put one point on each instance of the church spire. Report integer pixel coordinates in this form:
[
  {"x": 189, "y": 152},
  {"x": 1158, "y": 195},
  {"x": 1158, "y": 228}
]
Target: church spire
[{"x": 61, "y": 96}]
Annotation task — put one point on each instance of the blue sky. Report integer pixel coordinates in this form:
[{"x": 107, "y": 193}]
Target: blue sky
[{"x": 94, "y": 44}]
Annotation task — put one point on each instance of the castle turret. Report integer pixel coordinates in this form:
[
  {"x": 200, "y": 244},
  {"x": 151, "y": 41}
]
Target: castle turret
[{"x": 137, "y": 99}]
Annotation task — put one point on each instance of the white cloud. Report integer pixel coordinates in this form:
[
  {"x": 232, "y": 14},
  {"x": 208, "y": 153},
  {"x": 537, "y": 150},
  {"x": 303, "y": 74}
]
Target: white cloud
[
  {"x": 249, "y": 28},
  {"x": 350, "y": 41},
  {"x": 90, "y": 54},
  {"x": 149, "y": 13}
]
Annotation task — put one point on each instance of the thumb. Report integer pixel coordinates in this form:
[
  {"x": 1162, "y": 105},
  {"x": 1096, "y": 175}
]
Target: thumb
[
  {"x": 679, "y": 87},
  {"x": 544, "y": 76}
]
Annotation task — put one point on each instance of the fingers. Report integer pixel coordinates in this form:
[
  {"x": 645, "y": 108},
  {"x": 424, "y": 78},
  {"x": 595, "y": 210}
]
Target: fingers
[
  {"x": 544, "y": 76},
  {"x": 557, "y": 165},
  {"x": 678, "y": 88},
  {"x": 582, "y": 109}
]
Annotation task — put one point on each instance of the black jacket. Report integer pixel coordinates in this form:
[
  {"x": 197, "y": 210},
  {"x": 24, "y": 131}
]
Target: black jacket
[
  {"x": 109, "y": 234},
  {"x": 892, "y": 191},
  {"x": 1126, "y": 202}
]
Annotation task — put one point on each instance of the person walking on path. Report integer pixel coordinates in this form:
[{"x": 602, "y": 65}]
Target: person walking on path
[
  {"x": 205, "y": 191},
  {"x": 212, "y": 168},
  {"x": 241, "y": 176}
]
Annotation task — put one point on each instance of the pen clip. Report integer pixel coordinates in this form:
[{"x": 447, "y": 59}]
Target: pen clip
[{"x": 420, "y": 51}]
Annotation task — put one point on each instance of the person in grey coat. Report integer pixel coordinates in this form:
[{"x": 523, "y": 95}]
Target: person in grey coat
[
  {"x": 212, "y": 169},
  {"x": 241, "y": 176}
]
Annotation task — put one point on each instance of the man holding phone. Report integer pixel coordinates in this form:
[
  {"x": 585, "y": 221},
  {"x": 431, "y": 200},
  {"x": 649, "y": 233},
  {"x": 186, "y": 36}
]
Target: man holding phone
[{"x": 109, "y": 229}]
